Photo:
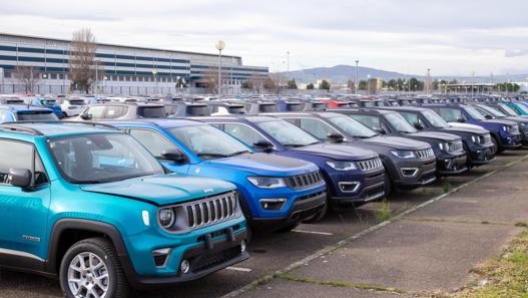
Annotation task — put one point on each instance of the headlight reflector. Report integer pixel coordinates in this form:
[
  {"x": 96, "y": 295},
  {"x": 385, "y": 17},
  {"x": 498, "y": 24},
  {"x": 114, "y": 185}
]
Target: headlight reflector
[
  {"x": 267, "y": 182},
  {"x": 166, "y": 217},
  {"x": 403, "y": 154},
  {"x": 341, "y": 165}
]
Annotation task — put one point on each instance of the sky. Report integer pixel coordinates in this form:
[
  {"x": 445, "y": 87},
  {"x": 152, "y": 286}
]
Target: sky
[{"x": 449, "y": 37}]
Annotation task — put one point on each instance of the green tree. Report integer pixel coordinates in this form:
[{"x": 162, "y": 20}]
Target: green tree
[
  {"x": 310, "y": 86},
  {"x": 291, "y": 84},
  {"x": 246, "y": 85},
  {"x": 324, "y": 85},
  {"x": 362, "y": 85}
]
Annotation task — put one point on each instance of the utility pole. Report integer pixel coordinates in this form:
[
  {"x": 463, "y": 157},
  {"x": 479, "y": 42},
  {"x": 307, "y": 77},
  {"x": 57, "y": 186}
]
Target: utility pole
[{"x": 357, "y": 83}]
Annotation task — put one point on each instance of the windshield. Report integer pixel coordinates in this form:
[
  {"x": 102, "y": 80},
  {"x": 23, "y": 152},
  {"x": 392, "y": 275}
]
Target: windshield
[
  {"x": 399, "y": 123},
  {"x": 79, "y": 102},
  {"x": 435, "y": 119},
  {"x": 521, "y": 107},
  {"x": 352, "y": 127},
  {"x": 99, "y": 158},
  {"x": 287, "y": 134},
  {"x": 507, "y": 110},
  {"x": 474, "y": 113},
  {"x": 208, "y": 142},
  {"x": 492, "y": 111},
  {"x": 36, "y": 115}
]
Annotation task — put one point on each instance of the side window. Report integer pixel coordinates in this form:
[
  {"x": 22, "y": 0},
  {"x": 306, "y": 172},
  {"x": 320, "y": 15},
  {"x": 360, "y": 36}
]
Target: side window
[
  {"x": 244, "y": 133},
  {"x": 97, "y": 112},
  {"x": 15, "y": 154},
  {"x": 155, "y": 143},
  {"x": 316, "y": 127},
  {"x": 6, "y": 117},
  {"x": 369, "y": 121},
  {"x": 450, "y": 115},
  {"x": 113, "y": 112}
]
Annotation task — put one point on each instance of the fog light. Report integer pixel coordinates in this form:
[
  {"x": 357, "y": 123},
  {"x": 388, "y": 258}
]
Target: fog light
[
  {"x": 243, "y": 246},
  {"x": 349, "y": 186},
  {"x": 272, "y": 204},
  {"x": 409, "y": 172},
  {"x": 185, "y": 266}
]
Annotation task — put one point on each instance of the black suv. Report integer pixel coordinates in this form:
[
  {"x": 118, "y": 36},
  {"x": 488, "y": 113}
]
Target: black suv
[
  {"x": 477, "y": 141},
  {"x": 448, "y": 148},
  {"x": 406, "y": 162}
]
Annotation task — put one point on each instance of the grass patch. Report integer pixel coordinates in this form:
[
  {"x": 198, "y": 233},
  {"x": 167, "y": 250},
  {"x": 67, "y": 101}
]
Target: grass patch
[
  {"x": 384, "y": 212},
  {"x": 505, "y": 276},
  {"x": 446, "y": 186}
]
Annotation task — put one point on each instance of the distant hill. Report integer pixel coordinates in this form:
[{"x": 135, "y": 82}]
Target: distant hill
[{"x": 343, "y": 73}]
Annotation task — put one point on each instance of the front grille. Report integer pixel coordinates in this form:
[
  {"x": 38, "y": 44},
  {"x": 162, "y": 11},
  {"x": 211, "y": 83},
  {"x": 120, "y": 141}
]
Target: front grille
[
  {"x": 202, "y": 263},
  {"x": 425, "y": 153},
  {"x": 369, "y": 165},
  {"x": 456, "y": 146},
  {"x": 304, "y": 180},
  {"x": 211, "y": 210},
  {"x": 485, "y": 139},
  {"x": 513, "y": 129}
]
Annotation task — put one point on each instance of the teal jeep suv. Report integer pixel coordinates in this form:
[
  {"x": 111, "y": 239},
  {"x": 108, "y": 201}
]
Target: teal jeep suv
[{"x": 90, "y": 205}]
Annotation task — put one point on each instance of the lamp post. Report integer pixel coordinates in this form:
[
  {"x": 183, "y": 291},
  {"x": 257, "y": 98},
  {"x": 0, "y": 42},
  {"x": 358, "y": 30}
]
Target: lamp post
[
  {"x": 178, "y": 85},
  {"x": 220, "y": 45},
  {"x": 44, "y": 76},
  {"x": 96, "y": 76},
  {"x": 104, "y": 84},
  {"x": 357, "y": 83},
  {"x": 154, "y": 73},
  {"x": 2, "y": 74}
]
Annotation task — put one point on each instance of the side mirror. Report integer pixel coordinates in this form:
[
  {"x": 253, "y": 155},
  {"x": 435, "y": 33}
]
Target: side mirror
[
  {"x": 379, "y": 130},
  {"x": 174, "y": 155},
  {"x": 263, "y": 146},
  {"x": 20, "y": 177},
  {"x": 86, "y": 116},
  {"x": 488, "y": 116},
  {"x": 335, "y": 138},
  {"x": 418, "y": 125},
  {"x": 461, "y": 119}
]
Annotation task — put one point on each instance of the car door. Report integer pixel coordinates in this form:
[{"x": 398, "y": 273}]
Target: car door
[{"x": 23, "y": 212}]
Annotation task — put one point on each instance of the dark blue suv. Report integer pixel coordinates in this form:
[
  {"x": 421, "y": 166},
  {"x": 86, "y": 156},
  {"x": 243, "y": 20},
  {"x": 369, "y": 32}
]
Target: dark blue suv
[
  {"x": 353, "y": 176},
  {"x": 504, "y": 133},
  {"x": 277, "y": 192}
]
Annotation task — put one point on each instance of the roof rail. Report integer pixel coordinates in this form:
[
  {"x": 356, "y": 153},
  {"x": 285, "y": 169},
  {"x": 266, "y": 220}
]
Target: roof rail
[
  {"x": 12, "y": 126},
  {"x": 90, "y": 123}
]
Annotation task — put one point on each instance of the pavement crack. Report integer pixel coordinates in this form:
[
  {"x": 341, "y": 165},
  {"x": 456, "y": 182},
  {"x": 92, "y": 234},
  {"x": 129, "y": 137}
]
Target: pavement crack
[
  {"x": 340, "y": 284},
  {"x": 462, "y": 221}
]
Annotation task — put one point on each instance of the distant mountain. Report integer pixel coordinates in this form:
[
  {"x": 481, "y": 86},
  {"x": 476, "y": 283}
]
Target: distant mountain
[{"x": 341, "y": 74}]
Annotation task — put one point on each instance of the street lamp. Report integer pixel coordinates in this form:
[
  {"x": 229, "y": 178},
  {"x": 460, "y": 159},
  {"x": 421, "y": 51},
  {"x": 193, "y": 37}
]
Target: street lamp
[
  {"x": 2, "y": 74},
  {"x": 220, "y": 45},
  {"x": 357, "y": 62},
  {"x": 154, "y": 73},
  {"x": 104, "y": 84},
  {"x": 44, "y": 76}
]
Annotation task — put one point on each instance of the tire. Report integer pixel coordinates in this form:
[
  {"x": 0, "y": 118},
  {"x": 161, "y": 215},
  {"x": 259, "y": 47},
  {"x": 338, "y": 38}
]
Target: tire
[
  {"x": 318, "y": 216},
  {"x": 103, "y": 274},
  {"x": 497, "y": 147},
  {"x": 388, "y": 185}
]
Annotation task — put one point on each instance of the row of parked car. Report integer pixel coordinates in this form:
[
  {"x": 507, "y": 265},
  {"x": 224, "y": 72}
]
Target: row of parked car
[{"x": 123, "y": 196}]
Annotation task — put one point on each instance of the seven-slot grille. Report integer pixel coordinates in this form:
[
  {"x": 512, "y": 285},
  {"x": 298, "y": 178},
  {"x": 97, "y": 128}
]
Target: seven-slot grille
[
  {"x": 304, "y": 180},
  {"x": 211, "y": 210},
  {"x": 425, "y": 153},
  {"x": 485, "y": 139},
  {"x": 369, "y": 165},
  {"x": 456, "y": 146}
]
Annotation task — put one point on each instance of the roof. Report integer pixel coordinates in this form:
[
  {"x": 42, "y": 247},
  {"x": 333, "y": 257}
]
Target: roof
[
  {"x": 56, "y": 128},
  {"x": 249, "y": 118},
  {"x": 162, "y": 122},
  {"x": 25, "y": 108}
]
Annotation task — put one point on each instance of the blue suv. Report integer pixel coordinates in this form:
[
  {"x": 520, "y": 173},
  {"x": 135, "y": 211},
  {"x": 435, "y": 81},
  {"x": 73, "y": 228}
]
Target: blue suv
[
  {"x": 277, "y": 193},
  {"x": 353, "y": 176},
  {"x": 92, "y": 206},
  {"x": 12, "y": 113}
]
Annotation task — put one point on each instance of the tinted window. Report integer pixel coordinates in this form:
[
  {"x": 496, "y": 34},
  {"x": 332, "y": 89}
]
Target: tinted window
[
  {"x": 316, "y": 127},
  {"x": 152, "y": 112},
  {"x": 36, "y": 115}
]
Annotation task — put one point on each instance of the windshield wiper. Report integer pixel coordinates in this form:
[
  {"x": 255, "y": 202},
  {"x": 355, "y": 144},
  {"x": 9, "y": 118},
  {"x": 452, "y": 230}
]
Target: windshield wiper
[
  {"x": 296, "y": 145},
  {"x": 238, "y": 153},
  {"x": 211, "y": 154}
]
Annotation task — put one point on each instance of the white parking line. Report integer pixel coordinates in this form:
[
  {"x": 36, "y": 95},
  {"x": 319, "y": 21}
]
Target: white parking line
[
  {"x": 240, "y": 269},
  {"x": 313, "y": 232}
]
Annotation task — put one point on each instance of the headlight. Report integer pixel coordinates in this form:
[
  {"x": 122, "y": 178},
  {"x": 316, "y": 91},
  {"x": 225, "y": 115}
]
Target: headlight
[
  {"x": 475, "y": 139},
  {"x": 504, "y": 128},
  {"x": 166, "y": 217},
  {"x": 267, "y": 182},
  {"x": 342, "y": 165},
  {"x": 523, "y": 124},
  {"x": 403, "y": 153}
]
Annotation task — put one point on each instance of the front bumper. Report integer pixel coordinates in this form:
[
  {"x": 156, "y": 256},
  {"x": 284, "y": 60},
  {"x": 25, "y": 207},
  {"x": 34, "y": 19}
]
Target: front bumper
[
  {"x": 413, "y": 173},
  {"x": 450, "y": 164},
  {"x": 480, "y": 154},
  {"x": 356, "y": 187},
  {"x": 509, "y": 141}
]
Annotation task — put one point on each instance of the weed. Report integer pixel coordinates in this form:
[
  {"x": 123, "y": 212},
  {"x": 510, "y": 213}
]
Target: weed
[
  {"x": 446, "y": 186},
  {"x": 384, "y": 212}
]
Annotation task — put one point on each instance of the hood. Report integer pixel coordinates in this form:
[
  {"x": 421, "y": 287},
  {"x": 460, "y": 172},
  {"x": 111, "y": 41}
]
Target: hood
[
  {"x": 466, "y": 125},
  {"x": 337, "y": 152},
  {"x": 396, "y": 143},
  {"x": 476, "y": 130},
  {"x": 501, "y": 121},
  {"x": 517, "y": 119},
  {"x": 265, "y": 164},
  {"x": 162, "y": 189},
  {"x": 439, "y": 136}
]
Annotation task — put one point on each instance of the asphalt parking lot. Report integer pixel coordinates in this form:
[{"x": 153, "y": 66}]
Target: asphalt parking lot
[{"x": 354, "y": 248}]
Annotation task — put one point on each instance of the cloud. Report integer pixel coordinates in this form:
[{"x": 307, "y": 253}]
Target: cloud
[{"x": 515, "y": 53}]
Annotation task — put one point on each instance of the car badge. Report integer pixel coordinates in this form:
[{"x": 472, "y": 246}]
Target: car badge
[{"x": 208, "y": 190}]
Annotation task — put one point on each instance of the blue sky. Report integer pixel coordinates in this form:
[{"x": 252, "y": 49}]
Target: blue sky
[{"x": 450, "y": 37}]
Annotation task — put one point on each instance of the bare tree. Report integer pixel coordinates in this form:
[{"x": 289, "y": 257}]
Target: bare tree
[
  {"x": 82, "y": 58},
  {"x": 28, "y": 76},
  {"x": 211, "y": 80},
  {"x": 275, "y": 83},
  {"x": 257, "y": 83}
]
